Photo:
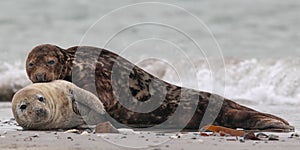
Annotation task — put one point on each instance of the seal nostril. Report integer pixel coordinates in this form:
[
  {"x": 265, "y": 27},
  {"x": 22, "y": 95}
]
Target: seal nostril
[
  {"x": 23, "y": 106},
  {"x": 41, "y": 76}
]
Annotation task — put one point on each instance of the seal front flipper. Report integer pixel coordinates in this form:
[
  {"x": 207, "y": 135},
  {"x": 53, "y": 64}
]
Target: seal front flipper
[{"x": 87, "y": 105}]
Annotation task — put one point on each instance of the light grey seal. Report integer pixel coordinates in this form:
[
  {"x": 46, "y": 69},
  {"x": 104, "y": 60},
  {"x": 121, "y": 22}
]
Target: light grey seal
[{"x": 56, "y": 105}]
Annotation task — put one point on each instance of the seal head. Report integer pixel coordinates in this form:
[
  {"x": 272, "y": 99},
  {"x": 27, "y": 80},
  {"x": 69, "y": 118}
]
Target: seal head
[
  {"x": 32, "y": 109},
  {"x": 54, "y": 68}
]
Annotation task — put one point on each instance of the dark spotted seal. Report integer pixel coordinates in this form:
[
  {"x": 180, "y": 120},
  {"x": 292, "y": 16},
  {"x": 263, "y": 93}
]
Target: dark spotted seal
[
  {"x": 56, "y": 105},
  {"x": 136, "y": 98}
]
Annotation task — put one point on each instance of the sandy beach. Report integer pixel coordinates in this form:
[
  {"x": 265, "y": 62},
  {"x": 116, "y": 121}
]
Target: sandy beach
[
  {"x": 13, "y": 137},
  {"x": 150, "y": 140}
]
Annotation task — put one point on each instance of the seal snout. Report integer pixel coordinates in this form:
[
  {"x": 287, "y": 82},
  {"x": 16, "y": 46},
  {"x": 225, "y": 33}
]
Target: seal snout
[
  {"x": 41, "y": 112},
  {"x": 41, "y": 77}
]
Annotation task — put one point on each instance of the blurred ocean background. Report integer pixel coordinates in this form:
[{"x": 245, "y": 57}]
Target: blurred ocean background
[{"x": 258, "y": 39}]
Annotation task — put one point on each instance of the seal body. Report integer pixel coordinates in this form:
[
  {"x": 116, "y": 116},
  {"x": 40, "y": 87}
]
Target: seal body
[
  {"x": 134, "y": 97},
  {"x": 56, "y": 105}
]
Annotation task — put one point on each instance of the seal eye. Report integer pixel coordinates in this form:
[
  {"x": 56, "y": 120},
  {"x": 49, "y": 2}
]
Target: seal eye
[
  {"x": 41, "y": 99},
  {"x": 23, "y": 106},
  {"x": 30, "y": 65},
  {"x": 51, "y": 62}
]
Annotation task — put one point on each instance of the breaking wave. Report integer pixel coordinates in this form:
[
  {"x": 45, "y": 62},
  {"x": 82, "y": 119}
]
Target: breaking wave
[{"x": 253, "y": 81}]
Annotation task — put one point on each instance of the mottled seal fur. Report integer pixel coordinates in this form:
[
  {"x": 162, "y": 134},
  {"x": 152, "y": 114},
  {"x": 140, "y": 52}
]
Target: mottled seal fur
[
  {"x": 56, "y": 105},
  {"x": 128, "y": 93}
]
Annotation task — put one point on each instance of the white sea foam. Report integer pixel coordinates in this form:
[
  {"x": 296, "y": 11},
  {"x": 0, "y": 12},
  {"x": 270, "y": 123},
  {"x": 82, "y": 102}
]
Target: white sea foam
[
  {"x": 264, "y": 81},
  {"x": 13, "y": 76}
]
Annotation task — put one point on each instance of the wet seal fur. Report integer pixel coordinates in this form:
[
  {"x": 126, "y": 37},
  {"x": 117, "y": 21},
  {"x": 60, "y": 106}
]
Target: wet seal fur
[
  {"x": 56, "y": 105},
  {"x": 118, "y": 82}
]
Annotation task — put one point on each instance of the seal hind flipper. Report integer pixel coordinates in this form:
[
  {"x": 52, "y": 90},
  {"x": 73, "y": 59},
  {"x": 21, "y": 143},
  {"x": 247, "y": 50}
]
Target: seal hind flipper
[{"x": 255, "y": 120}]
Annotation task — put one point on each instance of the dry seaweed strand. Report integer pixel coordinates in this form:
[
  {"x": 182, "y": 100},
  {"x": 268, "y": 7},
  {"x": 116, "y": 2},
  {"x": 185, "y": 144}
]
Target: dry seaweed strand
[{"x": 220, "y": 129}]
